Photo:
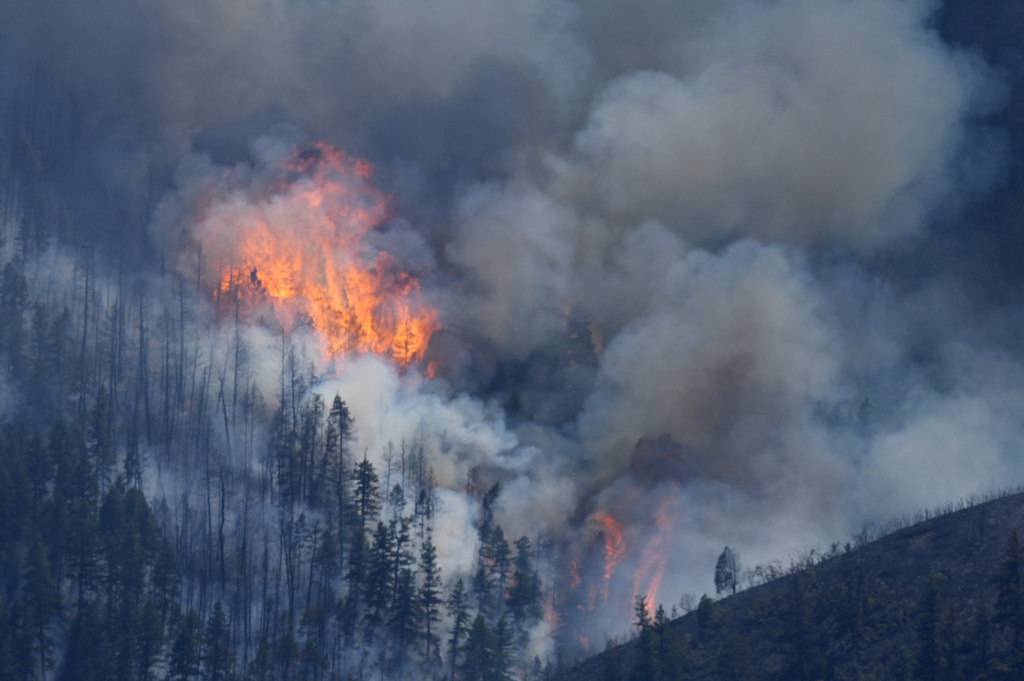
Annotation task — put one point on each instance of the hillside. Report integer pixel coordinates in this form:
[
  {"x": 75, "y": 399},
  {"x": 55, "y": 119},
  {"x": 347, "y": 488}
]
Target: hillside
[
  {"x": 940, "y": 599},
  {"x": 398, "y": 340}
]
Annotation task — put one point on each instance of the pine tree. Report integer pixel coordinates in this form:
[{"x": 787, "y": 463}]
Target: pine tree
[
  {"x": 406, "y": 614},
  {"x": 340, "y": 430},
  {"x": 185, "y": 652},
  {"x": 524, "y": 597},
  {"x": 287, "y": 654},
  {"x": 261, "y": 668},
  {"x": 500, "y": 555},
  {"x": 430, "y": 595},
  {"x": 502, "y": 652},
  {"x": 727, "y": 572},
  {"x": 101, "y": 441},
  {"x": 218, "y": 658},
  {"x": 150, "y": 639},
  {"x": 401, "y": 550},
  {"x": 458, "y": 611},
  {"x": 647, "y": 645},
  {"x": 705, "y": 614},
  {"x": 88, "y": 656},
  {"x": 378, "y": 578},
  {"x": 483, "y": 590},
  {"x": 641, "y": 613},
  {"x": 312, "y": 629},
  {"x": 367, "y": 506},
  {"x": 478, "y": 662},
  {"x": 42, "y": 602},
  {"x": 14, "y": 302}
]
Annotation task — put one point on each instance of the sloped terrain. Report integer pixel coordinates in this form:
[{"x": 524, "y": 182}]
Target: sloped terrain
[{"x": 940, "y": 599}]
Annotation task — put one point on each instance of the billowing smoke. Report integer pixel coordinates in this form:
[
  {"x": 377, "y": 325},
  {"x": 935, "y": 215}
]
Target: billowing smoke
[{"x": 681, "y": 254}]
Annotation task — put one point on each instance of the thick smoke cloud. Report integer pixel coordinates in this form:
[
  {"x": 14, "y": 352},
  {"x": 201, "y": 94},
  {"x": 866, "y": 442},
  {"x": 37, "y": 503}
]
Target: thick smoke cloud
[
  {"x": 700, "y": 195},
  {"x": 784, "y": 129},
  {"x": 179, "y": 69}
]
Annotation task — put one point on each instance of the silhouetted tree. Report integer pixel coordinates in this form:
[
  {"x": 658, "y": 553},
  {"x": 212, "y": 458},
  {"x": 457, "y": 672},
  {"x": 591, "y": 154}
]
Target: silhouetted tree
[
  {"x": 218, "y": 657},
  {"x": 187, "y": 648},
  {"x": 727, "y": 572},
  {"x": 430, "y": 596},
  {"x": 458, "y": 611}
]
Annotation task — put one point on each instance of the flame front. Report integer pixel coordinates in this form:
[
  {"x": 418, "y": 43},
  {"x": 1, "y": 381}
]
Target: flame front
[
  {"x": 647, "y": 580},
  {"x": 614, "y": 546},
  {"x": 300, "y": 248}
]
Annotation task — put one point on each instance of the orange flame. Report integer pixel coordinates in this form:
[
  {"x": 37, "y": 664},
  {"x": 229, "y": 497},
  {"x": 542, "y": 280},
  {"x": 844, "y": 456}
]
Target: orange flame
[
  {"x": 614, "y": 546},
  {"x": 300, "y": 250},
  {"x": 574, "y": 574},
  {"x": 654, "y": 558}
]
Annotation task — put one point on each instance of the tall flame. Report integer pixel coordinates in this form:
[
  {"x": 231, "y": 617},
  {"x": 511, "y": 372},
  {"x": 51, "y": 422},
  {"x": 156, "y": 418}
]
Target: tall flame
[
  {"x": 300, "y": 250},
  {"x": 614, "y": 546},
  {"x": 654, "y": 558}
]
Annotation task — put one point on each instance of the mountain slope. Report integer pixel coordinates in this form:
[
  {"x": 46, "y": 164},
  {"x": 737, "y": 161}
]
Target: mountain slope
[{"x": 941, "y": 599}]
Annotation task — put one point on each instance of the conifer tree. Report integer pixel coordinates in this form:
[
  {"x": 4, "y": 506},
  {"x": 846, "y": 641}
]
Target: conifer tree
[
  {"x": 477, "y": 664},
  {"x": 42, "y": 602},
  {"x": 502, "y": 652},
  {"x": 524, "y": 596},
  {"x": 366, "y": 498},
  {"x": 483, "y": 590},
  {"x": 87, "y": 657},
  {"x": 150, "y": 639},
  {"x": 402, "y": 557},
  {"x": 340, "y": 430},
  {"x": 378, "y": 578},
  {"x": 218, "y": 656},
  {"x": 500, "y": 555},
  {"x": 727, "y": 572},
  {"x": 430, "y": 596},
  {"x": 458, "y": 611},
  {"x": 187, "y": 648},
  {"x": 406, "y": 614},
  {"x": 261, "y": 668}
]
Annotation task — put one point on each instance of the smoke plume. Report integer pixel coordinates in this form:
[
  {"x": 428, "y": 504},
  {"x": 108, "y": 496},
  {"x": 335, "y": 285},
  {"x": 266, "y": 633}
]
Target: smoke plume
[{"x": 659, "y": 241}]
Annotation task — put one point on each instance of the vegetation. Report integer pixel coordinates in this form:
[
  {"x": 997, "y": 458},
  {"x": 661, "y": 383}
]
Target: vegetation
[
  {"x": 940, "y": 599},
  {"x": 279, "y": 554}
]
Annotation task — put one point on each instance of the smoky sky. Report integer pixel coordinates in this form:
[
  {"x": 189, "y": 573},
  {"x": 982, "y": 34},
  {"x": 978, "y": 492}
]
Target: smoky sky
[{"x": 747, "y": 228}]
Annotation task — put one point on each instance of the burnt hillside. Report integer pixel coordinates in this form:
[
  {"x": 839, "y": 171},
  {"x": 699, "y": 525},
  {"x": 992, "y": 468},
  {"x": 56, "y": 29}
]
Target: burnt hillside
[{"x": 940, "y": 599}]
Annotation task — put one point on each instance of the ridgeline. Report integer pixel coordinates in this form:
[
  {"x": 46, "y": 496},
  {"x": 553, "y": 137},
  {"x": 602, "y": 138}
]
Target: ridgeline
[{"x": 942, "y": 599}]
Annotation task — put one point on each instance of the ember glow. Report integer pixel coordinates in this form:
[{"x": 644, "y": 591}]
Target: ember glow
[{"x": 300, "y": 251}]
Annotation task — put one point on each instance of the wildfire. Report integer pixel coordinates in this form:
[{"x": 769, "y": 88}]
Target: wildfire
[
  {"x": 609, "y": 539},
  {"x": 614, "y": 546},
  {"x": 647, "y": 580},
  {"x": 300, "y": 250}
]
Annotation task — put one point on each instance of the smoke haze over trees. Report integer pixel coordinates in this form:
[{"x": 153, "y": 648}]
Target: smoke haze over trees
[{"x": 685, "y": 274}]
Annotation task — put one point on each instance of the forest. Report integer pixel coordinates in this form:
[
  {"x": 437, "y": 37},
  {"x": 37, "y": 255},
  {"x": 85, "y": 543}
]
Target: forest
[
  {"x": 273, "y": 550},
  {"x": 383, "y": 339},
  {"x": 281, "y": 554},
  {"x": 940, "y": 597}
]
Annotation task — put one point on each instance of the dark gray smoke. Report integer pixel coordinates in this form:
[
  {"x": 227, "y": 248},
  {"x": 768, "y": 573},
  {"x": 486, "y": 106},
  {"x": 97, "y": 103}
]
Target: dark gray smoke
[{"x": 705, "y": 227}]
